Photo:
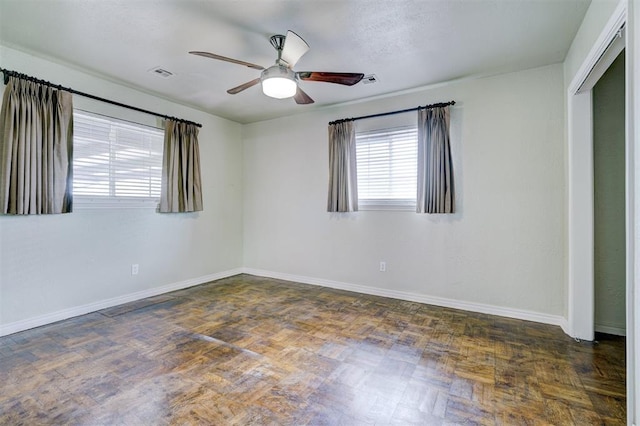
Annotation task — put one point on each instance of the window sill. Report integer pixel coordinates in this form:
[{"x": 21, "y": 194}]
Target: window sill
[
  {"x": 386, "y": 206},
  {"x": 114, "y": 203}
]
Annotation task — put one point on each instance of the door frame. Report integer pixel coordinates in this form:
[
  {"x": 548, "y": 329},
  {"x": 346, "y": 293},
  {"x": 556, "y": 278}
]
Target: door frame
[{"x": 580, "y": 173}]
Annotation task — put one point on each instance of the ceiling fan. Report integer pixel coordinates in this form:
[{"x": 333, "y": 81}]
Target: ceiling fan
[{"x": 279, "y": 80}]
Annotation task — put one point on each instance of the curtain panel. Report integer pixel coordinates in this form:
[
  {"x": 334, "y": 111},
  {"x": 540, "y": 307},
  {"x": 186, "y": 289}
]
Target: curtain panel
[
  {"x": 435, "y": 169},
  {"x": 36, "y": 149},
  {"x": 343, "y": 184},
  {"x": 181, "y": 183}
]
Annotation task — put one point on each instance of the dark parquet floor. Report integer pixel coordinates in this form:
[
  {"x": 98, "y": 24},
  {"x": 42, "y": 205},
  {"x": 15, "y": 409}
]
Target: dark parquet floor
[{"x": 248, "y": 350}]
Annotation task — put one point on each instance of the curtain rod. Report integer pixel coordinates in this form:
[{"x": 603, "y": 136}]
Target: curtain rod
[
  {"x": 382, "y": 114},
  {"x": 9, "y": 73}
]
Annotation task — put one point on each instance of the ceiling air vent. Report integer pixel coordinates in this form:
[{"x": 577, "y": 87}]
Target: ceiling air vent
[
  {"x": 370, "y": 79},
  {"x": 161, "y": 72}
]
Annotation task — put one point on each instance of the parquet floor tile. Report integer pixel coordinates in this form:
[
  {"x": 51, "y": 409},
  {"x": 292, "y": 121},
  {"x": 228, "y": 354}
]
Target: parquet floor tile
[{"x": 254, "y": 351}]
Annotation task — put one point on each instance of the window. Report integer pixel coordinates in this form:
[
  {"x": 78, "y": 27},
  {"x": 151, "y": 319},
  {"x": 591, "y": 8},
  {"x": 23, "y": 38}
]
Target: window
[
  {"x": 115, "y": 163},
  {"x": 387, "y": 163}
]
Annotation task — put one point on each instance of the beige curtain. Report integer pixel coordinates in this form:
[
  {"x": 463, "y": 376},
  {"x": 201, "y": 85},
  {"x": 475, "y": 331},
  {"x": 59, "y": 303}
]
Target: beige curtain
[
  {"x": 36, "y": 148},
  {"x": 435, "y": 171},
  {"x": 181, "y": 184},
  {"x": 343, "y": 188}
]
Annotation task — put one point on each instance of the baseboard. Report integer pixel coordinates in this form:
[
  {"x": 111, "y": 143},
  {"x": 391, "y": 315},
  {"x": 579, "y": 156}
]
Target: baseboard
[
  {"x": 564, "y": 325},
  {"x": 616, "y": 331},
  {"x": 420, "y": 298},
  {"x": 40, "y": 320}
]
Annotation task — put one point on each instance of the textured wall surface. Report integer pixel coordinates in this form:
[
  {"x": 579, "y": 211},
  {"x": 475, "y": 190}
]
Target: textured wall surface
[{"x": 506, "y": 244}]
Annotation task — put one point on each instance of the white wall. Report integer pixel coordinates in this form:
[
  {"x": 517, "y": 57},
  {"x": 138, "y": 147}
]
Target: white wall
[
  {"x": 504, "y": 247},
  {"x": 57, "y": 264}
]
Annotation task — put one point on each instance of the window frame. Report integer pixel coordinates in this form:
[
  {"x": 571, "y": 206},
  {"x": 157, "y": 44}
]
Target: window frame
[
  {"x": 98, "y": 202},
  {"x": 388, "y": 204}
]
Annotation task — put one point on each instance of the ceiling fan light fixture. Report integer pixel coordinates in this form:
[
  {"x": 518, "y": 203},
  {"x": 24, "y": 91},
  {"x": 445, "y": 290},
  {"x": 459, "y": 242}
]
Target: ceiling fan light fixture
[{"x": 279, "y": 82}]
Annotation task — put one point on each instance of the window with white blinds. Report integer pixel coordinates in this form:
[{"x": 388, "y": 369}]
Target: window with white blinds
[
  {"x": 115, "y": 163},
  {"x": 387, "y": 163}
]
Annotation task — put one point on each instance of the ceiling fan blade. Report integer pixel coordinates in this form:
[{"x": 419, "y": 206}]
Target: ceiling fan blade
[
  {"x": 293, "y": 49},
  {"x": 224, "y": 58},
  {"x": 302, "y": 98},
  {"x": 346, "y": 78},
  {"x": 244, "y": 86}
]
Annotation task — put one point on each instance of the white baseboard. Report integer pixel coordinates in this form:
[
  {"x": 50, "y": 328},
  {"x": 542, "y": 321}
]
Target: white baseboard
[
  {"x": 52, "y": 317},
  {"x": 616, "y": 331},
  {"x": 564, "y": 324},
  {"x": 14, "y": 327},
  {"x": 420, "y": 298}
]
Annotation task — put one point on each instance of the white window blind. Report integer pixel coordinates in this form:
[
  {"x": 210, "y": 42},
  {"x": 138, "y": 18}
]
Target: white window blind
[
  {"x": 115, "y": 163},
  {"x": 387, "y": 162}
]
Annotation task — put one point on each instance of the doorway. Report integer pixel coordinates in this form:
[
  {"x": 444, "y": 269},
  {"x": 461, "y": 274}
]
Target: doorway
[
  {"x": 580, "y": 239},
  {"x": 609, "y": 231}
]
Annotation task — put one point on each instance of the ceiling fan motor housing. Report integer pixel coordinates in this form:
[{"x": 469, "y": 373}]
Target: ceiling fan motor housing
[{"x": 276, "y": 71}]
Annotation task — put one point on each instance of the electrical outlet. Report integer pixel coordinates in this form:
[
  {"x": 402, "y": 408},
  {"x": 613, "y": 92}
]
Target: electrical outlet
[
  {"x": 134, "y": 269},
  {"x": 383, "y": 266}
]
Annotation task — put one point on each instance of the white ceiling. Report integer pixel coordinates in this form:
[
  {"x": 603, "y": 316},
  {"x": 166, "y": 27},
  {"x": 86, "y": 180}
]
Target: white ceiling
[{"x": 405, "y": 43}]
